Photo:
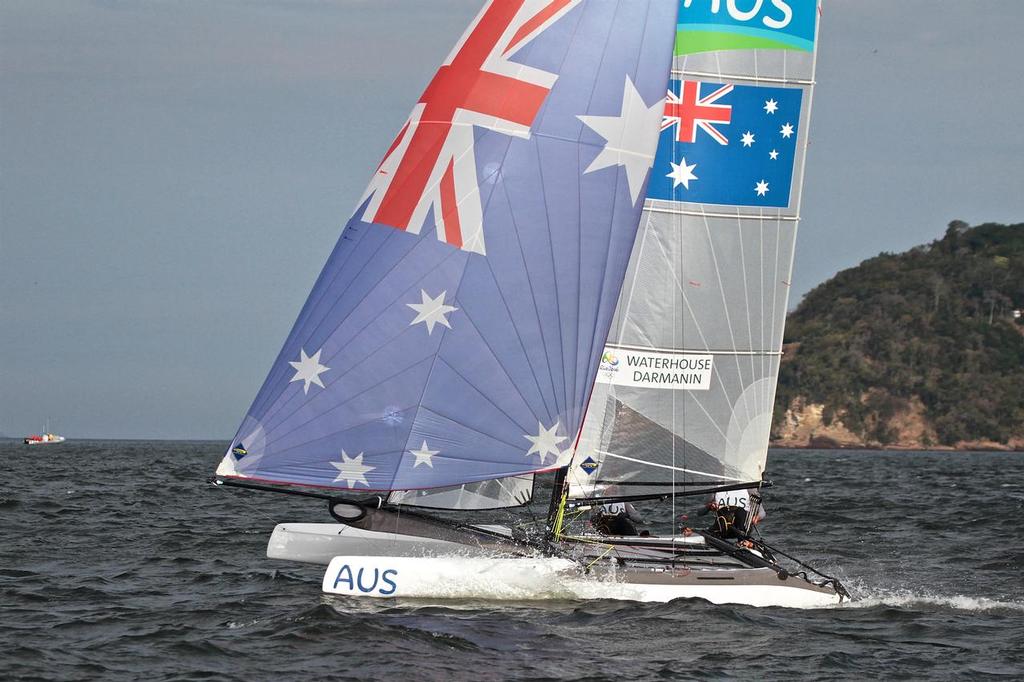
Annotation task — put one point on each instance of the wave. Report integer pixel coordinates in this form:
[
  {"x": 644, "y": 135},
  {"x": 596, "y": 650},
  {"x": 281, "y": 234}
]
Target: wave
[{"x": 867, "y": 599}]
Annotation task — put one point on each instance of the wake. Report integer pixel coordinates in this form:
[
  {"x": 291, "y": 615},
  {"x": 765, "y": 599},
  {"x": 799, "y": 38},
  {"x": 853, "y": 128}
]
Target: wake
[{"x": 870, "y": 598}]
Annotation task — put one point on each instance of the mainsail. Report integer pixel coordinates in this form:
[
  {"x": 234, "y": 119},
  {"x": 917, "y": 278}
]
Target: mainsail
[
  {"x": 453, "y": 336},
  {"x": 687, "y": 381}
]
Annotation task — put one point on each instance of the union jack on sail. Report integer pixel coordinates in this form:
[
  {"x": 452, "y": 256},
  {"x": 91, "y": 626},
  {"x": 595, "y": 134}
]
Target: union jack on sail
[
  {"x": 431, "y": 165},
  {"x": 689, "y": 111}
]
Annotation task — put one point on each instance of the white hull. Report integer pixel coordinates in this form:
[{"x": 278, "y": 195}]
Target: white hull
[
  {"x": 524, "y": 579},
  {"x": 319, "y": 543},
  {"x": 388, "y": 565}
]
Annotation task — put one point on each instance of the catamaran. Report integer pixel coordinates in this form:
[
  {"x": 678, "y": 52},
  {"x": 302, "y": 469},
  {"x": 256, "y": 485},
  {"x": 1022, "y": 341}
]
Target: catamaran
[{"x": 568, "y": 276}]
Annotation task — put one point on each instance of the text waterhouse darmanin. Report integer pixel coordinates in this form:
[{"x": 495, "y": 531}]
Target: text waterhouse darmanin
[{"x": 682, "y": 364}]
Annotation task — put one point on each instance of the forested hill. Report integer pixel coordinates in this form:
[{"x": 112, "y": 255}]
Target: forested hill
[{"x": 917, "y": 349}]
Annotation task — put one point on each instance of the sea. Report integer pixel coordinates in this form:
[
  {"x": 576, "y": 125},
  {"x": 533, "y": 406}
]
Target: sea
[{"x": 119, "y": 561}]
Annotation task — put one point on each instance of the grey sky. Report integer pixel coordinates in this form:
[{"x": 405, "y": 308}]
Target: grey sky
[{"x": 173, "y": 176}]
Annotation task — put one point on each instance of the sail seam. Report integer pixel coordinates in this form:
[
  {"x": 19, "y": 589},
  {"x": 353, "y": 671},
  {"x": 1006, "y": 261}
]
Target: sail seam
[
  {"x": 739, "y": 77},
  {"x": 702, "y": 214}
]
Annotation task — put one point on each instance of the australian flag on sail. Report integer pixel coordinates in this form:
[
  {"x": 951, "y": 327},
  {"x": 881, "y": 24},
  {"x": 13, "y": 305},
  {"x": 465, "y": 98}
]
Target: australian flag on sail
[
  {"x": 454, "y": 334},
  {"x": 727, "y": 144}
]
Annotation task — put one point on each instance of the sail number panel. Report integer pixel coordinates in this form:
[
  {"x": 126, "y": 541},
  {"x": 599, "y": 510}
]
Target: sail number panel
[{"x": 648, "y": 369}]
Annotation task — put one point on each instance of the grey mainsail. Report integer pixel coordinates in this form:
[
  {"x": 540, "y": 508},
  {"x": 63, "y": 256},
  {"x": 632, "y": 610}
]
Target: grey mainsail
[{"x": 687, "y": 382}]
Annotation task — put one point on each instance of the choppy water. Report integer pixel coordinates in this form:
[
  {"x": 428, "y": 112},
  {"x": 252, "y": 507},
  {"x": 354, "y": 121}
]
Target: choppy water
[{"x": 117, "y": 562}]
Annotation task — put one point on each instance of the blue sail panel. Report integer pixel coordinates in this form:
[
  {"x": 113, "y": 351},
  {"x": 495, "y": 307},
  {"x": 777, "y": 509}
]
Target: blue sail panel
[{"x": 455, "y": 331}]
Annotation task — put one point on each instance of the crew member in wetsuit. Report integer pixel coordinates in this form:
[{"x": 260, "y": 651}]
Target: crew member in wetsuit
[
  {"x": 616, "y": 518},
  {"x": 732, "y": 510}
]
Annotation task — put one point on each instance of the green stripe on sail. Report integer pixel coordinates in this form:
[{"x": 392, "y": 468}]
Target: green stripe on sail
[{"x": 689, "y": 41}]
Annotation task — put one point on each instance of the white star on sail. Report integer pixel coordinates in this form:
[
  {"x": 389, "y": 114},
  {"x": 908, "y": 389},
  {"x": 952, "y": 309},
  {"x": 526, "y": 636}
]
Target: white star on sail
[
  {"x": 545, "y": 442},
  {"x": 424, "y": 456},
  {"x": 682, "y": 174},
  {"x": 787, "y": 130},
  {"x": 748, "y": 139},
  {"x": 431, "y": 311},
  {"x": 352, "y": 470},
  {"x": 761, "y": 188},
  {"x": 308, "y": 369},
  {"x": 629, "y": 140},
  {"x": 773, "y": 155},
  {"x": 771, "y": 106}
]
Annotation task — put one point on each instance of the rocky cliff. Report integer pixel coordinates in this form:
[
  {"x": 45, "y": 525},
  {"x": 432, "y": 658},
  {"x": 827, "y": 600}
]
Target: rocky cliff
[{"x": 923, "y": 349}]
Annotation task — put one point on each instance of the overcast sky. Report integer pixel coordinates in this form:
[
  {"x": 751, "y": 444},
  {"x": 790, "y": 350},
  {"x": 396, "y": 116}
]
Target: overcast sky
[{"x": 173, "y": 175}]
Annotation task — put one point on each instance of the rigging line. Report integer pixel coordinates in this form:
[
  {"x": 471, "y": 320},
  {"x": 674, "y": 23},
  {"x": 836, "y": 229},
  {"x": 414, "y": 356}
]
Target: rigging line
[
  {"x": 678, "y": 262},
  {"x": 664, "y": 466}
]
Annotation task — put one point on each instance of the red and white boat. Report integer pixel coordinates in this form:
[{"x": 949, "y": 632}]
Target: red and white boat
[{"x": 44, "y": 439}]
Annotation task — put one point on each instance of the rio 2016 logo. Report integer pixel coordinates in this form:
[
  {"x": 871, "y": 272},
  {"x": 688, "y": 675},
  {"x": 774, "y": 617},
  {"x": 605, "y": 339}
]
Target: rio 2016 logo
[
  {"x": 383, "y": 582},
  {"x": 710, "y": 25},
  {"x": 609, "y": 361}
]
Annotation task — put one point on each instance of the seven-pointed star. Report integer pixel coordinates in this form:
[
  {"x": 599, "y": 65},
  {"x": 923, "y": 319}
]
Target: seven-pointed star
[
  {"x": 682, "y": 174},
  {"x": 308, "y": 369},
  {"x": 545, "y": 442},
  {"x": 352, "y": 470},
  {"x": 424, "y": 456},
  {"x": 748, "y": 139},
  {"x": 628, "y": 137},
  {"x": 773, "y": 155},
  {"x": 431, "y": 311},
  {"x": 761, "y": 188},
  {"x": 787, "y": 130},
  {"x": 771, "y": 106}
]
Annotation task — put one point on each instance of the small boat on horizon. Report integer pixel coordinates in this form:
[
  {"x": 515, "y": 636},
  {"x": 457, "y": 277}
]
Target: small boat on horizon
[{"x": 44, "y": 439}]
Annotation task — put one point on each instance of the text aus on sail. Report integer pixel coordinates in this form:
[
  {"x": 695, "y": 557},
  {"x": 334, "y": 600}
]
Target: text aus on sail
[{"x": 648, "y": 369}]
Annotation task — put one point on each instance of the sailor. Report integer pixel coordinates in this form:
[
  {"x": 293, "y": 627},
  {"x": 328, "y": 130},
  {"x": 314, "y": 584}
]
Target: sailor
[
  {"x": 736, "y": 513},
  {"x": 617, "y": 518}
]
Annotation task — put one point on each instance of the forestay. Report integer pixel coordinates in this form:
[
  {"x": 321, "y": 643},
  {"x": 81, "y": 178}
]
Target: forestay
[
  {"x": 687, "y": 381},
  {"x": 455, "y": 331}
]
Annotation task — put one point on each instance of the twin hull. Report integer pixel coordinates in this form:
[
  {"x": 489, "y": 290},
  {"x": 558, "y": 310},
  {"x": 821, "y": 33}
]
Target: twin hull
[{"x": 366, "y": 563}]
